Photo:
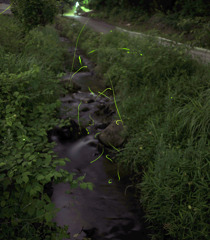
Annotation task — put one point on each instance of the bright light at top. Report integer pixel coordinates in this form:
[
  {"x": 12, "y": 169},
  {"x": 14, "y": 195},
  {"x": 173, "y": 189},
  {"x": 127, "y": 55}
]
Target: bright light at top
[{"x": 77, "y": 4}]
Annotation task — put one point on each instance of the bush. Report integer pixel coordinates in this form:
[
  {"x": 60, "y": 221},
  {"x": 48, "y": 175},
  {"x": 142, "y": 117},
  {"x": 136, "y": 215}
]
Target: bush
[
  {"x": 31, "y": 13},
  {"x": 26, "y": 158},
  {"x": 192, "y": 8},
  {"x": 44, "y": 44},
  {"x": 10, "y": 30},
  {"x": 29, "y": 93}
]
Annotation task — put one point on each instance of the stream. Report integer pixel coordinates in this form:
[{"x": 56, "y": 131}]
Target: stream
[{"x": 106, "y": 212}]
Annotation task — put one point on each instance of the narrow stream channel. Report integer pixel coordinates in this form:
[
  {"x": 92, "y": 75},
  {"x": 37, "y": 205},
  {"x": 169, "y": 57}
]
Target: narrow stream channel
[{"x": 106, "y": 212}]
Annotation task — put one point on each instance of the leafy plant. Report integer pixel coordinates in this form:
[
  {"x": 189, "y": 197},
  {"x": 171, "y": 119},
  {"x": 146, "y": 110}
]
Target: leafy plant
[
  {"x": 10, "y": 30},
  {"x": 29, "y": 90},
  {"x": 31, "y": 13}
]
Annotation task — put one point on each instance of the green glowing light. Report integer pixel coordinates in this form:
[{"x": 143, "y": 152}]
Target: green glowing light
[
  {"x": 78, "y": 112},
  {"x": 91, "y": 119},
  {"x": 127, "y": 49},
  {"x": 118, "y": 121},
  {"x": 91, "y": 91},
  {"x": 115, "y": 99},
  {"x": 109, "y": 158},
  {"x": 80, "y": 60},
  {"x": 110, "y": 181},
  {"x": 77, "y": 72},
  {"x": 6, "y": 9},
  {"x": 96, "y": 134},
  {"x": 76, "y": 47},
  {"x": 85, "y": 9},
  {"x": 92, "y": 51},
  {"x": 104, "y": 94},
  {"x": 114, "y": 147},
  {"x": 98, "y": 157},
  {"x": 118, "y": 174}
]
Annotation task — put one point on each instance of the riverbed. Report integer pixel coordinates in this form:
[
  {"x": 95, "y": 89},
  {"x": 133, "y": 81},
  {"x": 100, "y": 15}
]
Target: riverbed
[{"x": 110, "y": 211}]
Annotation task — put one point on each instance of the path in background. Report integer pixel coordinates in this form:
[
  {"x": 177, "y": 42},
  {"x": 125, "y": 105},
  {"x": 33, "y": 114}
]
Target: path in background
[{"x": 202, "y": 55}]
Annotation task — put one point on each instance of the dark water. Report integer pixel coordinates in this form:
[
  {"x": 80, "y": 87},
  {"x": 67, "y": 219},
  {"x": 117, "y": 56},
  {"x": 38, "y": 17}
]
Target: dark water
[{"x": 106, "y": 212}]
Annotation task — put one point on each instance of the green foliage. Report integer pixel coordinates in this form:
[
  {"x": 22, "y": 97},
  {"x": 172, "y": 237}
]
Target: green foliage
[
  {"x": 174, "y": 192},
  {"x": 184, "y": 7},
  {"x": 10, "y": 30},
  {"x": 140, "y": 70},
  {"x": 44, "y": 44},
  {"x": 192, "y": 8},
  {"x": 197, "y": 27},
  {"x": 31, "y": 13},
  {"x": 26, "y": 161},
  {"x": 29, "y": 92}
]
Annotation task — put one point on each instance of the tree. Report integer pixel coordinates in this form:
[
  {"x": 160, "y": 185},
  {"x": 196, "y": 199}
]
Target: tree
[{"x": 31, "y": 13}]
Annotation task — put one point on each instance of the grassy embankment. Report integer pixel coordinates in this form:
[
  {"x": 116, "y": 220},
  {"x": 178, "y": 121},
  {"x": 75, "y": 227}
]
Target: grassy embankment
[
  {"x": 30, "y": 68},
  {"x": 163, "y": 97},
  {"x": 192, "y": 31}
]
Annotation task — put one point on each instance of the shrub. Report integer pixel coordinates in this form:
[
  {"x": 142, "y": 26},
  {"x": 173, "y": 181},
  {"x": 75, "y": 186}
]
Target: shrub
[
  {"x": 44, "y": 44},
  {"x": 29, "y": 93},
  {"x": 31, "y": 13},
  {"x": 27, "y": 110},
  {"x": 10, "y": 30}
]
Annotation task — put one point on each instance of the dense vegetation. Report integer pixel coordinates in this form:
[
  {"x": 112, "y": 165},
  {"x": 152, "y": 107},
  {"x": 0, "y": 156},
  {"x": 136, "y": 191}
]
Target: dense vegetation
[
  {"x": 163, "y": 96},
  {"x": 186, "y": 21},
  {"x": 186, "y": 7},
  {"x": 30, "y": 68},
  {"x": 31, "y": 13}
]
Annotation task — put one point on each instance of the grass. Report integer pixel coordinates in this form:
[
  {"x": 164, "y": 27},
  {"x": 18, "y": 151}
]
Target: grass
[{"x": 163, "y": 98}]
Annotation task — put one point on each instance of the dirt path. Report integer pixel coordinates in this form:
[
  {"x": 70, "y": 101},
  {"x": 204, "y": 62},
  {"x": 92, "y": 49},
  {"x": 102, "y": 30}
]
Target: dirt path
[{"x": 97, "y": 25}]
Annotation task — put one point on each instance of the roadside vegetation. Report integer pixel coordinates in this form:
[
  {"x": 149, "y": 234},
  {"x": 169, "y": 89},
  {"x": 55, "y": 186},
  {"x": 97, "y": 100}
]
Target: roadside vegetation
[
  {"x": 179, "y": 20},
  {"x": 31, "y": 64},
  {"x": 163, "y": 97}
]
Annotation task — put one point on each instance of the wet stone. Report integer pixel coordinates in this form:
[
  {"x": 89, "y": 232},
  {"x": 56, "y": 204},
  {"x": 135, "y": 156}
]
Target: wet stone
[
  {"x": 85, "y": 109},
  {"x": 66, "y": 133}
]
